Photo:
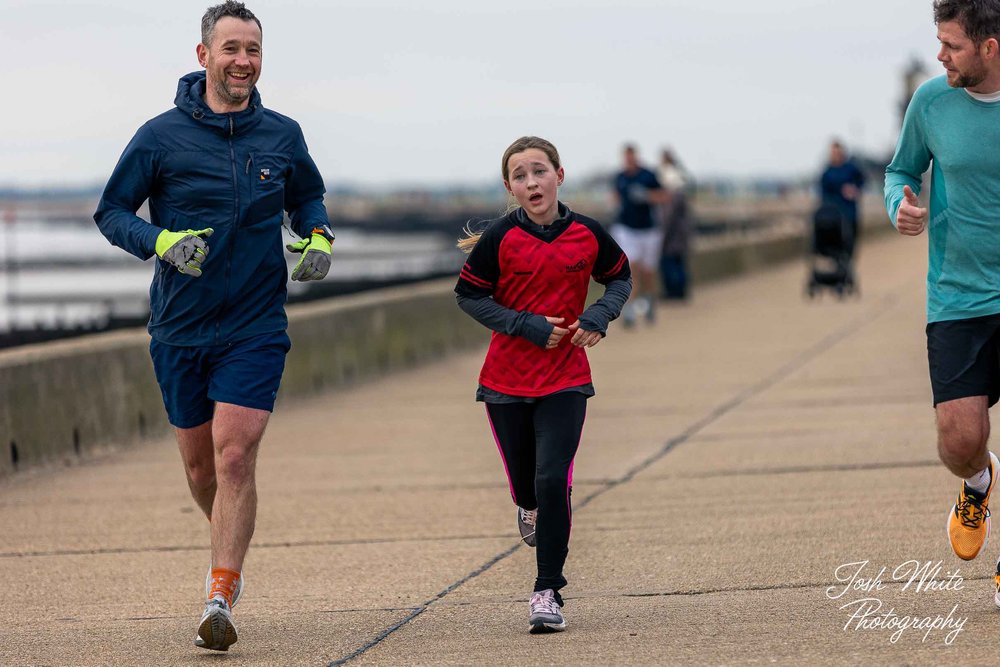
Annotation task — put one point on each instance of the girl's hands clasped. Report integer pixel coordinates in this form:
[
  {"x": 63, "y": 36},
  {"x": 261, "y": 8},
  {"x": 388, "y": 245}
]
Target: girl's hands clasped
[
  {"x": 557, "y": 332},
  {"x": 584, "y": 338},
  {"x": 581, "y": 337}
]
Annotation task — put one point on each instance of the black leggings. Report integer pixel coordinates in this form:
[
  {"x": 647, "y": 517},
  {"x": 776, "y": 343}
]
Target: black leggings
[{"x": 538, "y": 442}]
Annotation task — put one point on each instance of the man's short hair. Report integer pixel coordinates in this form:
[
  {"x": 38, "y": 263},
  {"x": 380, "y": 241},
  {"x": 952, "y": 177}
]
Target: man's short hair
[
  {"x": 228, "y": 8},
  {"x": 979, "y": 18}
]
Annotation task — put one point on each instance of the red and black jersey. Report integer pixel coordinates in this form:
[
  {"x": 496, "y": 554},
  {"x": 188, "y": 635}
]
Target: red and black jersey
[{"x": 545, "y": 271}]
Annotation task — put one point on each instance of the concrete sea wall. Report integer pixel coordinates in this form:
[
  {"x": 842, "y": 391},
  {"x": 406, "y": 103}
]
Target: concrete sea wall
[{"x": 60, "y": 399}]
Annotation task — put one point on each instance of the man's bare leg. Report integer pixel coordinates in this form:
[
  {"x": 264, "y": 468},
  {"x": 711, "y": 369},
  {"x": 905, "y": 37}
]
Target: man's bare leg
[
  {"x": 198, "y": 456},
  {"x": 647, "y": 282},
  {"x": 229, "y": 498},
  {"x": 236, "y": 433},
  {"x": 963, "y": 429}
]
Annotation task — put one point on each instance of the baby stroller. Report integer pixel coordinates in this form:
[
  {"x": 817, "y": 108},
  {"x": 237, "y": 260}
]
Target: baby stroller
[{"x": 832, "y": 253}]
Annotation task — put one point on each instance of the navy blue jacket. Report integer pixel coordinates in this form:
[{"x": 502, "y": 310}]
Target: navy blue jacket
[
  {"x": 633, "y": 190},
  {"x": 832, "y": 183},
  {"x": 234, "y": 172}
]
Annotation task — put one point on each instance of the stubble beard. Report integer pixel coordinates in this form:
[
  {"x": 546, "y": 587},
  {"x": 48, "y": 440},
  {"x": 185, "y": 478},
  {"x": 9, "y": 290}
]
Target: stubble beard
[
  {"x": 231, "y": 95},
  {"x": 972, "y": 78}
]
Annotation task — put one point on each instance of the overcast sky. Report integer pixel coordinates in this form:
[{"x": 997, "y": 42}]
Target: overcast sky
[{"x": 432, "y": 91}]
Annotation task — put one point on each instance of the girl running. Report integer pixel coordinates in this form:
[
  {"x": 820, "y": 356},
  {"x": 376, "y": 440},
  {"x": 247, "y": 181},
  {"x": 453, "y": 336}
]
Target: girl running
[{"x": 527, "y": 279}]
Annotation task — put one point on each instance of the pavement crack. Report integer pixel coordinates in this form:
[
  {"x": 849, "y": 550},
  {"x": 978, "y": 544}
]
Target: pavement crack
[
  {"x": 370, "y": 609},
  {"x": 103, "y": 551},
  {"x": 726, "y": 589},
  {"x": 426, "y": 605},
  {"x": 796, "y": 470},
  {"x": 851, "y": 402},
  {"x": 760, "y": 588}
]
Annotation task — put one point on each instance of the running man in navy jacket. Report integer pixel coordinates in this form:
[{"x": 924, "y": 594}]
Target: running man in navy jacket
[{"x": 219, "y": 171}]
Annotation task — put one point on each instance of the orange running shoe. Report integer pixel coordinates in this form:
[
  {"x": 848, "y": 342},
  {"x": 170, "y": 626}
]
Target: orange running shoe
[
  {"x": 996, "y": 577},
  {"x": 969, "y": 519}
]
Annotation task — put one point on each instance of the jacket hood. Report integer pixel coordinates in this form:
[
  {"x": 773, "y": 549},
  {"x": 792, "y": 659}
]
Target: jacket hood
[{"x": 191, "y": 100}]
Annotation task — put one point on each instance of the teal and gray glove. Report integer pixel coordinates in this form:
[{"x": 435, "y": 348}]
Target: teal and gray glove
[
  {"x": 315, "y": 261},
  {"x": 186, "y": 250}
]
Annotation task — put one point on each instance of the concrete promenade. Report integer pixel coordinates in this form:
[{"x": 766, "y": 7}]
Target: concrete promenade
[{"x": 739, "y": 453}]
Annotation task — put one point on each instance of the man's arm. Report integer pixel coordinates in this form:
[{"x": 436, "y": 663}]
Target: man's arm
[
  {"x": 911, "y": 160},
  {"x": 659, "y": 196},
  {"x": 859, "y": 178},
  {"x": 656, "y": 193},
  {"x": 128, "y": 187},
  {"x": 304, "y": 192}
]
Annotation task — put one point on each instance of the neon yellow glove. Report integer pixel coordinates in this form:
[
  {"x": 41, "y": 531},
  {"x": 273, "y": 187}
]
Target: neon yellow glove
[
  {"x": 316, "y": 254},
  {"x": 186, "y": 250}
]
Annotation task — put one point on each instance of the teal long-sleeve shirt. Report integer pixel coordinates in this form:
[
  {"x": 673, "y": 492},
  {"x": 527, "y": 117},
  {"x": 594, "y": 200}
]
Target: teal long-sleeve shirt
[{"x": 959, "y": 138}]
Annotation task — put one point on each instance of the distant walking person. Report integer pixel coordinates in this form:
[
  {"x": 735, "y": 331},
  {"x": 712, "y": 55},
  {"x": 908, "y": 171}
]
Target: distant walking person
[
  {"x": 638, "y": 190},
  {"x": 676, "y": 228},
  {"x": 219, "y": 165},
  {"x": 527, "y": 279},
  {"x": 953, "y": 126},
  {"x": 840, "y": 186}
]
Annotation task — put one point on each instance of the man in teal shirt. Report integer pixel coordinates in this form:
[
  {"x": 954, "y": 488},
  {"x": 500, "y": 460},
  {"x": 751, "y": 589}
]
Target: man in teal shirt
[{"x": 953, "y": 126}]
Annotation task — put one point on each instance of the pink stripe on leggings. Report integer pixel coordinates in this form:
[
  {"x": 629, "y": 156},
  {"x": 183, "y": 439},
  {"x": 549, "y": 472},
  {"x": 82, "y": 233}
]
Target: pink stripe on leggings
[
  {"x": 506, "y": 470},
  {"x": 569, "y": 485}
]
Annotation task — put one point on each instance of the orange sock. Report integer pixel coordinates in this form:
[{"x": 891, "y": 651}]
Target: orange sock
[{"x": 224, "y": 583}]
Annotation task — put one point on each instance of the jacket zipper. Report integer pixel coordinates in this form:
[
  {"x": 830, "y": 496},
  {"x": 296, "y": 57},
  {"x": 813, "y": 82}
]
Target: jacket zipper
[{"x": 236, "y": 223}]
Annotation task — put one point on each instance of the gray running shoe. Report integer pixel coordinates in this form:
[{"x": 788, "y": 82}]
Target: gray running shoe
[
  {"x": 526, "y": 524},
  {"x": 216, "y": 630},
  {"x": 236, "y": 595},
  {"x": 546, "y": 615}
]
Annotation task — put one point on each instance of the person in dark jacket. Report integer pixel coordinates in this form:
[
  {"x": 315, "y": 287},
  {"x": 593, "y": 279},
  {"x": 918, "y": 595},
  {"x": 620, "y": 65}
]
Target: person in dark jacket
[
  {"x": 676, "y": 223},
  {"x": 219, "y": 171},
  {"x": 840, "y": 186}
]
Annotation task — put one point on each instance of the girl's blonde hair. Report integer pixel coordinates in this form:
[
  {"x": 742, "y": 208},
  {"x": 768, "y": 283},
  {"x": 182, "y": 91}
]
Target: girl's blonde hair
[{"x": 468, "y": 242}]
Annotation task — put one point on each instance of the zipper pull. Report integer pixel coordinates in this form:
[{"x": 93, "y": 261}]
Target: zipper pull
[{"x": 249, "y": 160}]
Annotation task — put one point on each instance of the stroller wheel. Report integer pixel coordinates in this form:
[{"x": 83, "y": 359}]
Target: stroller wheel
[{"x": 850, "y": 287}]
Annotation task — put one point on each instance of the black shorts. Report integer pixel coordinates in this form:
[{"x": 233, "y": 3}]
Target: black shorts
[{"x": 964, "y": 358}]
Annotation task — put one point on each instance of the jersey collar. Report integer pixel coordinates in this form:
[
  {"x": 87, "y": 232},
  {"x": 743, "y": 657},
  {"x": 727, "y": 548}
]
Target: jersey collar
[{"x": 548, "y": 232}]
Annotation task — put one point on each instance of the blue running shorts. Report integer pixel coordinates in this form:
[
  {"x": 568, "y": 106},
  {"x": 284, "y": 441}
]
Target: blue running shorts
[{"x": 245, "y": 373}]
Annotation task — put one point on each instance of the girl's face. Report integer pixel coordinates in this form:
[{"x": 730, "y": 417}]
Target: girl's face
[{"x": 534, "y": 182}]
